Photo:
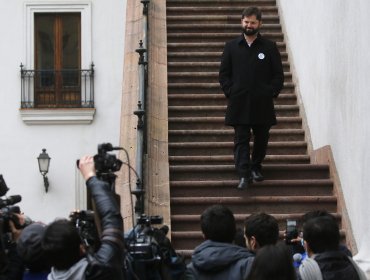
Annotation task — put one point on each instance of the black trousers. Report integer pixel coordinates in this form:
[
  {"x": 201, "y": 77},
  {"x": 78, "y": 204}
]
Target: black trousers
[{"x": 243, "y": 162}]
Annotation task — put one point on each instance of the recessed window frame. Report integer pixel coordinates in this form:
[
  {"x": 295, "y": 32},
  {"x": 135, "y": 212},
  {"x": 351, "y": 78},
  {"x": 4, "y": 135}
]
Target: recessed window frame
[{"x": 47, "y": 116}]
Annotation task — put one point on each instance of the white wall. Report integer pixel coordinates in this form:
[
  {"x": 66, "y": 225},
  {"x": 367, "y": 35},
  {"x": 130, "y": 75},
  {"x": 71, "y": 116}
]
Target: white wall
[
  {"x": 329, "y": 42},
  {"x": 20, "y": 144}
]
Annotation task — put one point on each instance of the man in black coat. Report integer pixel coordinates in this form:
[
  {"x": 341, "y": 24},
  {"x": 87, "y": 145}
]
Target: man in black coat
[{"x": 251, "y": 75}]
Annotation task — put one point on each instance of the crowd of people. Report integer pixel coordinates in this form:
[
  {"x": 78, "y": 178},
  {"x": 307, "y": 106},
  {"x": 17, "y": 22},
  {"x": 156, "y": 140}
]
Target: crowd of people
[{"x": 265, "y": 256}]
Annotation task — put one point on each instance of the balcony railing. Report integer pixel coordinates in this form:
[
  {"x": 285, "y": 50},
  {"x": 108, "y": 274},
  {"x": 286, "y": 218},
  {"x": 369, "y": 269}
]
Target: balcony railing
[{"x": 66, "y": 88}]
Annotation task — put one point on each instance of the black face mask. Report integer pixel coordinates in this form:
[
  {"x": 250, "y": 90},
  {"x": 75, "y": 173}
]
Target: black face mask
[{"x": 250, "y": 32}]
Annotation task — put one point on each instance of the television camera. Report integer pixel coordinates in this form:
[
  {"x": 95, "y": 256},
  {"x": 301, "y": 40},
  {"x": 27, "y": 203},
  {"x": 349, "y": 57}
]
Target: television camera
[
  {"x": 85, "y": 224},
  {"x": 8, "y": 212}
]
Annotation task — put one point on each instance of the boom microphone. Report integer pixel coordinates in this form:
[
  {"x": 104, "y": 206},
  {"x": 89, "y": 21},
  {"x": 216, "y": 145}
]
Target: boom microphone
[{"x": 10, "y": 200}]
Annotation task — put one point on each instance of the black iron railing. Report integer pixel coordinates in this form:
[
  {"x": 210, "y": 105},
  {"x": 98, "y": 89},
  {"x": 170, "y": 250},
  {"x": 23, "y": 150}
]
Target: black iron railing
[{"x": 66, "y": 88}]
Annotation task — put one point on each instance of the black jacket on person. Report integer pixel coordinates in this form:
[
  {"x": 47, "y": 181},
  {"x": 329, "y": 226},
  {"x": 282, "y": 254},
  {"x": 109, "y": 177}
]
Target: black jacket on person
[
  {"x": 219, "y": 261},
  {"x": 250, "y": 78},
  {"x": 106, "y": 263},
  {"x": 335, "y": 265}
]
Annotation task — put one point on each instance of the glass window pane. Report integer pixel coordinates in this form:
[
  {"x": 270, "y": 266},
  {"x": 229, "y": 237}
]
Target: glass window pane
[{"x": 45, "y": 43}]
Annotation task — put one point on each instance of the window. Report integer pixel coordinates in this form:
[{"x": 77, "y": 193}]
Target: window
[
  {"x": 57, "y": 69},
  {"x": 57, "y": 77}
]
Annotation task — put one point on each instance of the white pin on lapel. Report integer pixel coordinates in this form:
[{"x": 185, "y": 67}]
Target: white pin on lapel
[{"x": 261, "y": 55}]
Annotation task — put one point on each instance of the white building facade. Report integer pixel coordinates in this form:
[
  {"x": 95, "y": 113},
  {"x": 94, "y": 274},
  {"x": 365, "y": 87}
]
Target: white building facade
[{"x": 57, "y": 107}]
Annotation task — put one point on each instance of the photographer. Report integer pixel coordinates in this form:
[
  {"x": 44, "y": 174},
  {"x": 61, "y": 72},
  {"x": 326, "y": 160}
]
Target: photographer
[
  {"x": 11, "y": 264},
  {"x": 62, "y": 243}
]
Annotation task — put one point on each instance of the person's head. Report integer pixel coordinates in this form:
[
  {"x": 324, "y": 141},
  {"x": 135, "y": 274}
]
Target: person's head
[
  {"x": 29, "y": 247},
  {"x": 260, "y": 229},
  {"x": 273, "y": 262},
  {"x": 314, "y": 214},
  {"x": 218, "y": 224},
  {"x": 62, "y": 244},
  {"x": 321, "y": 234},
  {"x": 251, "y": 21}
]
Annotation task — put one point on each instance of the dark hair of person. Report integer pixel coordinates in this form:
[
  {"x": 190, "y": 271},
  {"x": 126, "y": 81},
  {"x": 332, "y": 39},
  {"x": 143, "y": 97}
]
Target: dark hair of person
[
  {"x": 321, "y": 234},
  {"x": 218, "y": 224},
  {"x": 252, "y": 11},
  {"x": 61, "y": 244},
  {"x": 273, "y": 262},
  {"x": 314, "y": 214},
  {"x": 263, "y": 227}
]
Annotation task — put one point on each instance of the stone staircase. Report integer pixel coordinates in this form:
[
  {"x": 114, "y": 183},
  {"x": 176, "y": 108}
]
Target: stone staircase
[{"x": 201, "y": 146}]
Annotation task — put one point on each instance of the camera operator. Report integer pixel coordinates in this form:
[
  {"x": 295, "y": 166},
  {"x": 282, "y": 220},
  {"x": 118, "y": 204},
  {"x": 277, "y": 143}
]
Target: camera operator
[
  {"x": 12, "y": 263},
  {"x": 62, "y": 243}
]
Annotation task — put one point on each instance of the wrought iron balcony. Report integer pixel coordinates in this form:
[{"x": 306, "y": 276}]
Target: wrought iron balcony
[{"x": 66, "y": 88}]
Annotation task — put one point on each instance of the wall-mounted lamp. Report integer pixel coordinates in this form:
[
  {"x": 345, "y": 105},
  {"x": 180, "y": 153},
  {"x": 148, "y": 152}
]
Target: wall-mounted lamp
[{"x": 44, "y": 162}]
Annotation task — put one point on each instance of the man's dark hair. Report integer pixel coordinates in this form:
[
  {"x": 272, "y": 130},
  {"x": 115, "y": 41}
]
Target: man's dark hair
[
  {"x": 218, "y": 224},
  {"x": 252, "y": 11},
  {"x": 61, "y": 244},
  {"x": 321, "y": 234},
  {"x": 314, "y": 214},
  {"x": 263, "y": 227}
]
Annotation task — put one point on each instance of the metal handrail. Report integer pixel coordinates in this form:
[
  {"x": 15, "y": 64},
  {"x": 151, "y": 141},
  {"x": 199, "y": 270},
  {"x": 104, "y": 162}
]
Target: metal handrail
[
  {"x": 140, "y": 112},
  {"x": 65, "y": 88}
]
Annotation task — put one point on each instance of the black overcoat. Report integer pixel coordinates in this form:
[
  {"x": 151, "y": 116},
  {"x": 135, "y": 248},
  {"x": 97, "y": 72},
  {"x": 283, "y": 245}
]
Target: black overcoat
[{"x": 250, "y": 78}]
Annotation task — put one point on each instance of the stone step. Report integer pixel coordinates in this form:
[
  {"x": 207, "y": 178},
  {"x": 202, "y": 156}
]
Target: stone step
[
  {"x": 201, "y": 75},
  {"x": 177, "y": 37},
  {"x": 195, "y": 86},
  {"x": 226, "y": 134},
  {"x": 175, "y": 98},
  {"x": 218, "y": 27},
  {"x": 211, "y": 149},
  {"x": 225, "y": 188},
  {"x": 216, "y": 19},
  {"x": 278, "y": 158},
  {"x": 183, "y": 69},
  {"x": 215, "y": 10},
  {"x": 244, "y": 203},
  {"x": 205, "y": 46},
  {"x": 219, "y": 111},
  {"x": 219, "y": 123},
  {"x": 219, "y": 3},
  {"x": 227, "y": 172}
]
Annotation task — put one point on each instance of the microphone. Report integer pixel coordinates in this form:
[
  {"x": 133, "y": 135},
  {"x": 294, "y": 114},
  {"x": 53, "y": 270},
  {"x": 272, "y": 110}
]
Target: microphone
[
  {"x": 10, "y": 200},
  {"x": 297, "y": 258}
]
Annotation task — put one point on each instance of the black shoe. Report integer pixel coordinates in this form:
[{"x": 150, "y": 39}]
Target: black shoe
[
  {"x": 257, "y": 176},
  {"x": 243, "y": 184}
]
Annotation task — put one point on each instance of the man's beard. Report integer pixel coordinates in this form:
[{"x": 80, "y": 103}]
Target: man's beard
[{"x": 250, "y": 32}]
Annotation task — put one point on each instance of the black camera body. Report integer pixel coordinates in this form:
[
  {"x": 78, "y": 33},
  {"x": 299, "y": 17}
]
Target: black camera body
[
  {"x": 105, "y": 162},
  {"x": 8, "y": 213},
  {"x": 149, "y": 220},
  {"x": 291, "y": 231},
  {"x": 84, "y": 222},
  {"x": 8, "y": 209},
  {"x": 140, "y": 242}
]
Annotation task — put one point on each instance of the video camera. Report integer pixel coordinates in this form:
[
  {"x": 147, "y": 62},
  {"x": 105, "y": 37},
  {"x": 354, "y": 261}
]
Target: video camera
[
  {"x": 8, "y": 213},
  {"x": 105, "y": 162},
  {"x": 8, "y": 209},
  {"x": 140, "y": 242},
  {"x": 85, "y": 223}
]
